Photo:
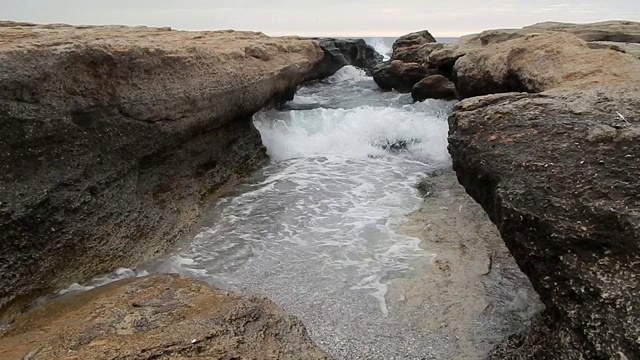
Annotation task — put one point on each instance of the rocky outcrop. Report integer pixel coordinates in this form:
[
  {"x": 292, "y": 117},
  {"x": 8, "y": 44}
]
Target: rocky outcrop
[
  {"x": 112, "y": 138},
  {"x": 343, "y": 52},
  {"x": 406, "y": 67},
  {"x": 421, "y": 52},
  {"x": 555, "y": 166},
  {"x": 399, "y": 75},
  {"x": 158, "y": 317},
  {"x": 434, "y": 87}
]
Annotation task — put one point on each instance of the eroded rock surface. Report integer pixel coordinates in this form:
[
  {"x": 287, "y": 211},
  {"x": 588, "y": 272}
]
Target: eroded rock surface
[
  {"x": 113, "y": 137},
  {"x": 555, "y": 166},
  {"x": 434, "y": 87},
  {"x": 343, "y": 52},
  {"x": 158, "y": 317}
]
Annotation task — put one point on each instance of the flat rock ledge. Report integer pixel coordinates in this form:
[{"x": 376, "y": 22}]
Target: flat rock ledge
[
  {"x": 158, "y": 317},
  {"x": 547, "y": 140},
  {"x": 113, "y": 138}
]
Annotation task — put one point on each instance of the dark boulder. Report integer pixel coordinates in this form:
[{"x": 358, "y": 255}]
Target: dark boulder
[
  {"x": 434, "y": 87},
  {"x": 399, "y": 75},
  {"x": 342, "y": 52}
]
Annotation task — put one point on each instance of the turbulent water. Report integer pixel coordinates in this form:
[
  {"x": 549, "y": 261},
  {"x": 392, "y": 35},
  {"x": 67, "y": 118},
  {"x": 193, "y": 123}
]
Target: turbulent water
[{"x": 317, "y": 229}]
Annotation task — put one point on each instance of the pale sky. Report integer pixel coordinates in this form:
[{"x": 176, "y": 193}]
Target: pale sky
[{"x": 321, "y": 17}]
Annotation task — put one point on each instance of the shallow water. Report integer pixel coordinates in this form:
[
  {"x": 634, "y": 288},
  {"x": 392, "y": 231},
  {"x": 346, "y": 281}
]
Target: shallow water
[{"x": 317, "y": 230}]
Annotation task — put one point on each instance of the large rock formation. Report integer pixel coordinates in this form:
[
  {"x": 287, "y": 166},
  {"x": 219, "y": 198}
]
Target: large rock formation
[
  {"x": 112, "y": 138},
  {"x": 343, "y": 52},
  {"x": 556, "y": 167},
  {"x": 158, "y": 317}
]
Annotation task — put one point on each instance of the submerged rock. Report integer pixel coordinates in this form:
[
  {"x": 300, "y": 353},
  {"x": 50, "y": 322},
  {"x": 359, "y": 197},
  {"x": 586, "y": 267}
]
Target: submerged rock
[
  {"x": 434, "y": 87},
  {"x": 113, "y": 137},
  {"x": 556, "y": 167},
  {"x": 342, "y": 52},
  {"x": 161, "y": 316}
]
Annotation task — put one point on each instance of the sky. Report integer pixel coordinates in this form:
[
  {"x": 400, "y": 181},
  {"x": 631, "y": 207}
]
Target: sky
[{"x": 448, "y": 18}]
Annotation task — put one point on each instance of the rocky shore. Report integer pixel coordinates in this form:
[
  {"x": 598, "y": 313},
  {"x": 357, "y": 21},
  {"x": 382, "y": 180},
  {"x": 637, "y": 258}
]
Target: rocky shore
[
  {"x": 114, "y": 138},
  {"x": 546, "y": 139}
]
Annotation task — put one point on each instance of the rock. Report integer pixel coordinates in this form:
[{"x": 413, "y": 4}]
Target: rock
[
  {"x": 343, "y": 52},
  {"x": 399, "y": 75},
  {"x": 114, "y": 137},
  {"x": 413, "y": 39},
  {"x": 632, "y": 49},
  {"x": 161, "y": 316},
  {"x": 539, "y": 62},
  {"x": 557, "y": 171},
  {"x": 615, "y": 31},
  {"x": 445, "y": 58},
  {"x": 434, "y": 87},
  {"x": 416, "y": 54},
  {"x": 414, "y": 47}
]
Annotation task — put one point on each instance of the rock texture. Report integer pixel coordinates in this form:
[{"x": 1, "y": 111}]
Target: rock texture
[
  {"x": 111, "y": 138},
  {"x": 556, "y": 166},
  {"x": 406, "y": 67},
  {"x": 399, "y": 75},
  {"x": 434, "y": 87},
  {"x": 343, "y": 52},
  {"x": 158, "y": 317}
]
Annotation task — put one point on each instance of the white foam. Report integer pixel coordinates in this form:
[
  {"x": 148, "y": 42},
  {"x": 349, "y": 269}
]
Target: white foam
[{"x": 382, "y": 48}]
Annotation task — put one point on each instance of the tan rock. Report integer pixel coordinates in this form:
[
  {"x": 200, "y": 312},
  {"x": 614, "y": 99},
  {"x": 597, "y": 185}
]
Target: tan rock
[
  {"x": 113, "y": 138},
  {"x": 158, "y": 317},
  {"x": 540, "y": 62}
]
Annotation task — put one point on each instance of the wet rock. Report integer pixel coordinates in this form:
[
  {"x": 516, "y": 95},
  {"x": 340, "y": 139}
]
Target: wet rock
[
  {"x": 112, "y": 138},
  {"x": 556, "y": 169},
  {"x": 161, "y": 316},
  {"x": 434, "y": 87},
  {"x": 399, "y": 75},
  {"x": 343, "y": 52}
]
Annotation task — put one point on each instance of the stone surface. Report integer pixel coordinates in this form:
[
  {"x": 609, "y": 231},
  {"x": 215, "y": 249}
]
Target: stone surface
[
  {"x": 399, "y": 75},
  {"x": 158, "y": 317},
  {"x": 539, "y": 62},
  {"x": 413, "y": 39},
  {"x": 632, "y": 49},
  {"x": 343, "y": 52},
  {"x": 434, "y": 87},
  {"x": 617, "y": 31},
  {"x": 112, "y": 138},
  {"x": 556, "y": 169}
]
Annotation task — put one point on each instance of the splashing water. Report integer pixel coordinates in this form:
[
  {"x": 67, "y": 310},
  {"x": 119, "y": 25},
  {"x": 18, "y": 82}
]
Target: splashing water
[
  {"x": 382, "y": 47},
  {"x": 316, "y": 229}
]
